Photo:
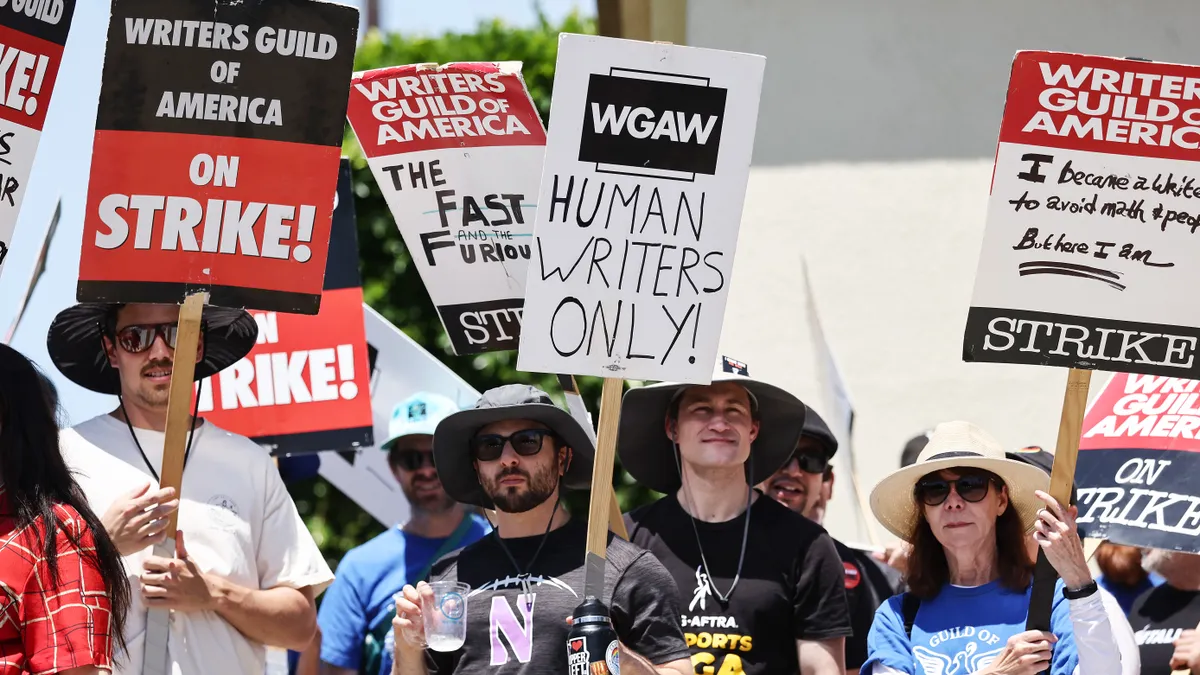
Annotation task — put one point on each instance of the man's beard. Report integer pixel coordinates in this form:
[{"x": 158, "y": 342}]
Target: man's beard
[
  {"x": 148, "y": 395},
  {"x": 514, "y": 499},
  {"x": 435, "y": 502}
]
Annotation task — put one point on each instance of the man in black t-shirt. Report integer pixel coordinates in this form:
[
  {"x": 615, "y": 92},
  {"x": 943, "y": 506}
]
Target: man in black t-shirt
[
  {"x": 804, "y": 484},
  {"x": 513, "y": 452},
  {"x": 1164, "y": 618},
  {"x": 762, "y": 588}
]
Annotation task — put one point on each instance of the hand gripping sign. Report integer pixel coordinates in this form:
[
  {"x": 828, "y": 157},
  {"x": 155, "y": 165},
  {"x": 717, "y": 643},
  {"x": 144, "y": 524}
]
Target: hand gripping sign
[
  {"x": 457, "y": 152},
  {"x": 217, "y": 142},
  {"x": 1090, "y": 234},
  {"x": 32, "y": 37}
]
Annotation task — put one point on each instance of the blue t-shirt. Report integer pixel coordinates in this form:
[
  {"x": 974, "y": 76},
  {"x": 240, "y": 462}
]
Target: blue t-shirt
[
  {"x": 366, "y": 579},
  {"x": 962, "y": 630}
]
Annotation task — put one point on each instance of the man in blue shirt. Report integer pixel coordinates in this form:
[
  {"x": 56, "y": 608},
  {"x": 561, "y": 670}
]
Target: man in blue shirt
[{"x": 356, "y": 613}]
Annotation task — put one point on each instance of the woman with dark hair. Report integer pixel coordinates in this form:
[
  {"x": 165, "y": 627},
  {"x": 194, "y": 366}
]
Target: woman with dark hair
[
  {"x": 66, "y": 591},
  {"x": 966, "y": 509}
]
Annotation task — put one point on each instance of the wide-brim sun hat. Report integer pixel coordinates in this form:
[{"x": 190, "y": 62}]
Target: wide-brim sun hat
[
  {"x": 953, "y": 445},
  {"x": 417, "y": 415},
  {"x": 452, "y": 440},
  {"x": 649, "y": 455},
  {"x": 75, "y": 345}
]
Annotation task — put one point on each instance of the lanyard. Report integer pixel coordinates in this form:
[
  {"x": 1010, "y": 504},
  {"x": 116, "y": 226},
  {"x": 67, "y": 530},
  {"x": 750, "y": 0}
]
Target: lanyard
[{"x": 186, "y": 453}]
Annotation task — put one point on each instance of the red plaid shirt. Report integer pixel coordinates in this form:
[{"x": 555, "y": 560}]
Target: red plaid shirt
[{"x": 47, "y": 627}]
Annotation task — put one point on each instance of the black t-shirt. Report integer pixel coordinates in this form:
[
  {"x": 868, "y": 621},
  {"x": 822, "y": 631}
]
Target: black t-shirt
[
  {"x": 792, "y": 585},
  {"x": 867, "y": 586},
  {"x": 1158, "y": 617},
  {"x": 508, "y": 636}
]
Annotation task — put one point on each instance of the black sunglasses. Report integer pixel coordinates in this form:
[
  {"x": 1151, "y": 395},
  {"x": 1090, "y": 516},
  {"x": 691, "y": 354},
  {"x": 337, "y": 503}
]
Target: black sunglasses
[
  {"x": 412, "y": 460},
  {"x": 526, "y": 443},
  {"x": 972, "y": 488},
  {"x": 138, "y": 338},
  {"x": 810, "y": 463}
]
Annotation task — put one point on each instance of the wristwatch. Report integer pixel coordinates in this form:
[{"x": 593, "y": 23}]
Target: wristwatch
[{"x": 1084, "y": 591}]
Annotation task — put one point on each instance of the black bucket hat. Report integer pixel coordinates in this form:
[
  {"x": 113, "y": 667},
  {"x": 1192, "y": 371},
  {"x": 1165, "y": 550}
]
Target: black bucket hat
[
  {"x": 648, "y": 454},
  {"x": 451, "y": 439},
  {"x": 78, "y": 352},
  {"x": 1035, "y": 456},
  {"x": 818, "y": 430}
]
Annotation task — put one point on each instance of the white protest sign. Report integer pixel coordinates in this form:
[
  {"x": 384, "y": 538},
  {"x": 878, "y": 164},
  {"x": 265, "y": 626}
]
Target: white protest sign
[
  {"x": 457, "y": 152},
  {"x": 639, "y": 207},
  {"x": 399, "y": 368},
  {"x": 1092, "y": 227}
]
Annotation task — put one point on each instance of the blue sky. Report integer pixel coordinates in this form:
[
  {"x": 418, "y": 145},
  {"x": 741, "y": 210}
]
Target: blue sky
[{"x": 64, "y": 160}]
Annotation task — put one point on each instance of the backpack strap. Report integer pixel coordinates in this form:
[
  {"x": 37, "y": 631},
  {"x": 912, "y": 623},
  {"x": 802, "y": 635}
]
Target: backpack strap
[
  {"x": 909, "y": 604},
  {"x": 376, "y": 636}
]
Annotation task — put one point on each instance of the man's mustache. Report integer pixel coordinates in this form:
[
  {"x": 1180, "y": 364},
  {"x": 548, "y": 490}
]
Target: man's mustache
[
  {"x": 514, "y": 471},
  {"x": 157, "y": 364}
]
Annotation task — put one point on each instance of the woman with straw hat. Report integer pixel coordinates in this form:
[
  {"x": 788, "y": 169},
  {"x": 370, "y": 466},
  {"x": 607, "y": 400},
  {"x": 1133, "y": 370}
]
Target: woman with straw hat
[{"x": 965, "y": 509}]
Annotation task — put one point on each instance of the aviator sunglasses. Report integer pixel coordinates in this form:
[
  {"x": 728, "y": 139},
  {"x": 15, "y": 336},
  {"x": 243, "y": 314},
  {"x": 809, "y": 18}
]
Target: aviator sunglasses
[
  {"x": 934, "y": 491},
  {"x": 526, "y": 443},
  {"x": 137, "y": 338}
]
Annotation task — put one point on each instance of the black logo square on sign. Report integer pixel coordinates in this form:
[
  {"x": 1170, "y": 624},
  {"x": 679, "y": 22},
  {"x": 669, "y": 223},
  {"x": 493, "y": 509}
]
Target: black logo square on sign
[{"x": 660, "y": 125}]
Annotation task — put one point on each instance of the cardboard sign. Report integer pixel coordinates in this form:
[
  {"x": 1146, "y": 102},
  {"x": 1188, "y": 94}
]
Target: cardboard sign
[
  {"x": 305, "y": 385},
  {"x": 32, "y": 38},
  {"x": 399, "y": 369},
  {"x": 457, "y": 152},
  {"x": 217, "y": 143},
  {"x": 1138, "y": 459},
  {"x": 1093, "y": 218},
  {"x": 640, "y": 202}
]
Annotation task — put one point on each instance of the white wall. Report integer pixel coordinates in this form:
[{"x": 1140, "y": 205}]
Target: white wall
[{"x": 873, "y": 160}]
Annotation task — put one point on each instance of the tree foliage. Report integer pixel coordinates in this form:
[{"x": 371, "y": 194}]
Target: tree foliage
[{"x": 391, "y": 283}]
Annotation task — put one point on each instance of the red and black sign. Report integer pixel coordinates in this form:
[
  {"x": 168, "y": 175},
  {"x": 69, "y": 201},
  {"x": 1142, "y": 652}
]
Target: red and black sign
[
  {"x": 1139, "y": 456},
  {"x": 305, "y": 387},
  {"x": 217, "y": 142}
]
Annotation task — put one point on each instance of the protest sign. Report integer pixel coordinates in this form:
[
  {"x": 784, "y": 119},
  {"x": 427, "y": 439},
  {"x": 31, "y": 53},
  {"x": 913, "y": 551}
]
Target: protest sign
[
  {"x": 32, "y": 38},
  {"x": 305, "y": 385},
  {"x": 457, "y": 152},
  {"x": 639, "y": 207},
  {"x": 399, "y": 368},
  {"x": 1091, "y": 227},
  {"x": 217, "y": 142},
  {"x": 1138, "y": 459}
]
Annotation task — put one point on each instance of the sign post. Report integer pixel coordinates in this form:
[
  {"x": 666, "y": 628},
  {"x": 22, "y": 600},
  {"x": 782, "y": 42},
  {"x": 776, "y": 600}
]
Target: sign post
[
  {"x": 213, "y": 175},
  {"x": 1090, "y": 230},
  {"x": 640, "y": 200}
]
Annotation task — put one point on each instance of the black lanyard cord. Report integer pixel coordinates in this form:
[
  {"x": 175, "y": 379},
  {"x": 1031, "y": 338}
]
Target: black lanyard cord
[
  {"x": 191, "y": 436},
  {"x": 712, "y": 583},
  {"x": 522, "y": 574}
]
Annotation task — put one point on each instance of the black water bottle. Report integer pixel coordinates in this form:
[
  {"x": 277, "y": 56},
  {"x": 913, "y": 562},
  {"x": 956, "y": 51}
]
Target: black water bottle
[{"x": 592, "y": 642}]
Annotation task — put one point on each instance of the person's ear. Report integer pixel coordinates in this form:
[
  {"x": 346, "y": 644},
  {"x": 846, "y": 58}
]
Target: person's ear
[
  {"x": 754, "y": 427},
  {"x": 200, "y": 347},
  {"x": 1003, "y": 500},
  {"x": 565, "y": 455},
  {"x": 110, "y": 350},
  {"x": 671, "y": 427}
]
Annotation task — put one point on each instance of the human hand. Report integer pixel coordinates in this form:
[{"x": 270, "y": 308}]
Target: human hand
[
  {"x": 1058, "y": 536},
  {"x": 138, "y": 518},
  {"x": 177, "y": 583},
  {"x": 1187, "y": 650},
  {"x": 894, "y": 555},
  {"x": 409, "y": 624},
  {"x": 1025, "y": 653}
]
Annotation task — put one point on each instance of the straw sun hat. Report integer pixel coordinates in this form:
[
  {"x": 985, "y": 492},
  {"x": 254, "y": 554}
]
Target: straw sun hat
[{"x": 957, "y": 444}]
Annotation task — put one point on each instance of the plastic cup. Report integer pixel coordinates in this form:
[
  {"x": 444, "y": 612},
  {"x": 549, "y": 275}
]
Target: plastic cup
[{"x": 445, "y": 616}]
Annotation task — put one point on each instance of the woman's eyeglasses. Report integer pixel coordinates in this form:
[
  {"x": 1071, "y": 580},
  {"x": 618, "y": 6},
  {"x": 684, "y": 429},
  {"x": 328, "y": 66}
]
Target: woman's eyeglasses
[
  {"x": 934, "y": 491},
  {"x": 526, "y": 443},
  {"x": 138, "y": 338}
]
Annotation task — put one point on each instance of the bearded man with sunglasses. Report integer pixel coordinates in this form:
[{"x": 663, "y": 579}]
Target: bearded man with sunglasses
[
  {"x": 245, "y": 570},
  {"x": 515, "y": 452},
  {"x": 357, "y": 611},
  {"x": 804, "y": 484}
]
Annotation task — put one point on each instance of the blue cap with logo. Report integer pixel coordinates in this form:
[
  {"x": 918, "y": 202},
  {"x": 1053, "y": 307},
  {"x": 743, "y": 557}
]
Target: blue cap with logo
[{"x": 418, "y": 414}]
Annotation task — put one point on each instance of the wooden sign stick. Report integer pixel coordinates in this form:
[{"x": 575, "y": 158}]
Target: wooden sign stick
[
  {"x": 601, "y": 498},
  {"x": 1062, "y": 475},
  {"x": 179, "y": 408}
]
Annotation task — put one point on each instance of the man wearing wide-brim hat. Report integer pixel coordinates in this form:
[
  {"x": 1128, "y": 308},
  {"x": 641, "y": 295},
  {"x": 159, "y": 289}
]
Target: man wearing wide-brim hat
[
  {"x": 762, "y": 587},
  {"x": 246, "y": 569},
  {"x": 515, "y": 452}
]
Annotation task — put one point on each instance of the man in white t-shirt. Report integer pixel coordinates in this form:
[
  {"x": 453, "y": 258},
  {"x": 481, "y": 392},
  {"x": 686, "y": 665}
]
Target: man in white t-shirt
[{"x": 246, "y": 570}]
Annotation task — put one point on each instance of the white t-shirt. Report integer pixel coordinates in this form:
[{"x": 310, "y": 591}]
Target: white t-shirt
[{"x": 238, "y": 521}]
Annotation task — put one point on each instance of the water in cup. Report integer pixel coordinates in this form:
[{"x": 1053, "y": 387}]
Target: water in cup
[{"x": 445, "y": 616}]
